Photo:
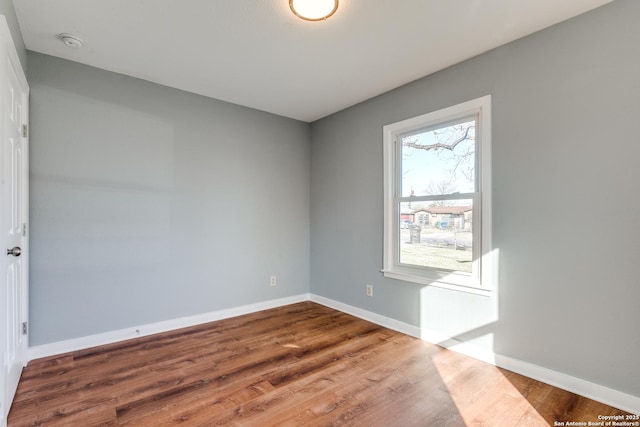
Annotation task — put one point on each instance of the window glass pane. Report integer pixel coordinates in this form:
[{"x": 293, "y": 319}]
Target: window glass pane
[
  {"x": 439, "y": 161},
  {"x": 437, "y": 234}
]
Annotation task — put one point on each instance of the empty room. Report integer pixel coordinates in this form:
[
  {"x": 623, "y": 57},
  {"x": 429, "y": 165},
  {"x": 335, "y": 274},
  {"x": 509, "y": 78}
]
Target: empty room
[{"x": 320, "y": 212}]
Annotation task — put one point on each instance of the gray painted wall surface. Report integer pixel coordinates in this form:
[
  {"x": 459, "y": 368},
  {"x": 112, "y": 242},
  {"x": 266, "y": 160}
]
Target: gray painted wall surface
[
  {"x": 149, "y": 204},
  {"x": 7, "y": 9},
  {"x": 565, "y": 178}
]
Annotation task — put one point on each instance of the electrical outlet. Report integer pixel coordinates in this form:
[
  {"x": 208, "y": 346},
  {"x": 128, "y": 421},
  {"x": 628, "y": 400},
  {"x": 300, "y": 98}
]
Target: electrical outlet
[
  {"x": 369, "y": 290},
  {"x": 273, "y": 280}
]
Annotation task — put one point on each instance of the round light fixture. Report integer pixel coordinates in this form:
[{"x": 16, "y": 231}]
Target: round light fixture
[
  {"x": 313, "y": 10},
  {"x": 71, "y": 40}
]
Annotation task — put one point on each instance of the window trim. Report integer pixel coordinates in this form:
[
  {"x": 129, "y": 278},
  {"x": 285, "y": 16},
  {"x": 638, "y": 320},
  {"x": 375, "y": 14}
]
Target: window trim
[{"x": 481, "y": 281}]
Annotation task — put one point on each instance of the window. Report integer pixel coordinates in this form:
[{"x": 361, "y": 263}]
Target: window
[
  {"x": 422, "y": 219},
  {"x": 439, "y": 165}
]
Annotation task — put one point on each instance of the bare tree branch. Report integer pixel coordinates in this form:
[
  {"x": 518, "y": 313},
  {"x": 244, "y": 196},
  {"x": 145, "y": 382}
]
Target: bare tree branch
[
  {"x": 439, "y": 145},
  {"x": 454, "y": 154}
]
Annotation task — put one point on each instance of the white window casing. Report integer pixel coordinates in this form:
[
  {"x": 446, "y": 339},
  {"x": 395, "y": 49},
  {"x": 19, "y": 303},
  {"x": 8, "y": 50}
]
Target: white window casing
[{"x": 481, "y": 278}]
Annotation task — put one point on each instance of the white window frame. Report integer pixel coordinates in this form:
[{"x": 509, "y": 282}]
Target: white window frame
[{"x": 481, "y": 280}]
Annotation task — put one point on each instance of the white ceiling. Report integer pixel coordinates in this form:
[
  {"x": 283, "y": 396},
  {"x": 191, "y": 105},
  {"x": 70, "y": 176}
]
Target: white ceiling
[{"x": 258, "y": 54}]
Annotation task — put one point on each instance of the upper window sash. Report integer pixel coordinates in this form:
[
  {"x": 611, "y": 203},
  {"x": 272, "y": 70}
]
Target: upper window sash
[{"x": 435, "y": 125}]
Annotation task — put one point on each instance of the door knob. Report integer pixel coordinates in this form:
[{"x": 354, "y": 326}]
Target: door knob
[{"x": 16, "y": 251}]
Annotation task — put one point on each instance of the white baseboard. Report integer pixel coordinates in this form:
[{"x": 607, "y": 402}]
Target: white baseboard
[
  {"x": 593, "y": 391},
  {"x": 576, "y": 385},
  {"x": 387, "y": 322},
  {"x": 81, "y": 343},
  {"x": 585, "y": 388}
]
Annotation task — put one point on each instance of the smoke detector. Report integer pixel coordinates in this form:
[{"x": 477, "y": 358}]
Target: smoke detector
[{"x": 71, "y": 40}]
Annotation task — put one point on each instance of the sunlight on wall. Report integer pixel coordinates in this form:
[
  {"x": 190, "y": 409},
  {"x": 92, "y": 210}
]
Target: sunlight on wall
[
  {"x": 464, "y": 322},
  {"x": 469, "y": 324}
]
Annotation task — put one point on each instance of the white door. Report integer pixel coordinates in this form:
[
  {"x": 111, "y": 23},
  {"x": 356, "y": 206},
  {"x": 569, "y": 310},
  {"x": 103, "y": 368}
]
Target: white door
[{"x": 13, "y": 220}]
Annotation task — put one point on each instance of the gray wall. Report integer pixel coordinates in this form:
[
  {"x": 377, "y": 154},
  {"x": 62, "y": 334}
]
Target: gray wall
[
  {"x": 565, "y": 178},
  {"x": 6, "y": 9},
  {"x": 148, "y": 203}
]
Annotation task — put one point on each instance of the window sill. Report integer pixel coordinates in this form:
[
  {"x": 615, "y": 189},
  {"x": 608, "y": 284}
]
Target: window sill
[{"x": 456, "y": 283}]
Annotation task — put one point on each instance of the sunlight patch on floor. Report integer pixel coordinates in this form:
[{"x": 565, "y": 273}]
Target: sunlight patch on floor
[{"x": 505, "y": 405}]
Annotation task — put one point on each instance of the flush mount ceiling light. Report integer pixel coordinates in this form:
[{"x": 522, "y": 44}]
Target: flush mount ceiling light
[
  {"x": 313, "y": 10},
  {"x": 71, "y": 40}
]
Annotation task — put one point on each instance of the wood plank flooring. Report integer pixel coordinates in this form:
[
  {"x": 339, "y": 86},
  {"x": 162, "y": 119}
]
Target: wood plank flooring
[{"x": 298, "y": 365}]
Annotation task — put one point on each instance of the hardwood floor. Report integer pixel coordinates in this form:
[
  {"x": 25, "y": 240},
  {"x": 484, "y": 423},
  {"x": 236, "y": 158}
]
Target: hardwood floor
[{"x": 299, "y": 365}]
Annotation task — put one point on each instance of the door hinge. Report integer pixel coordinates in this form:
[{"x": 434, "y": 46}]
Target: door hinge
[
  {"x": 25, "y": 131},
  {"x": 24, "y": 229},
  {"x": 25, "y": 328}
]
